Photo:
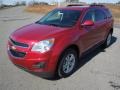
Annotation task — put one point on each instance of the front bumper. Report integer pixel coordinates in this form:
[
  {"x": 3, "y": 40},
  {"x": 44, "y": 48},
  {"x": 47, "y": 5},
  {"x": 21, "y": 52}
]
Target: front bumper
[
  {"x": 30, "y": 60},
  {"x": 41, "y": 74},
  {"x": 27, "y": 64}
]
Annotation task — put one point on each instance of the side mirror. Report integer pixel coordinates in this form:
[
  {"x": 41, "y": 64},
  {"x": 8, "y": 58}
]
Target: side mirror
[{"x": 88, "y": 23}]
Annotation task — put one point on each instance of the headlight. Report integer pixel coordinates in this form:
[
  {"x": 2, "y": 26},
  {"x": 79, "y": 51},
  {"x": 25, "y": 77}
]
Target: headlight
[{"x": 43, "y": 46}]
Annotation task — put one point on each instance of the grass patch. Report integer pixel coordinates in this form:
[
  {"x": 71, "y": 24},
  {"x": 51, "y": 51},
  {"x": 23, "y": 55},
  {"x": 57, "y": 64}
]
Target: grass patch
[
  {"x": 40, "y": 8},
  {"x": 115, "y": 9}
]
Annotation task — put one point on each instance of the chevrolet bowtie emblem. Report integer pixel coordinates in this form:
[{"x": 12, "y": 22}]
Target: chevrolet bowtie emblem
[{"x": 13, "y": 47}]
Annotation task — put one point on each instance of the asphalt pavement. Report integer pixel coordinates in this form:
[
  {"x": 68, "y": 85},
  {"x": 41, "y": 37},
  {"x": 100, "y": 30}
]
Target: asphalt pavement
[{"x": 99, "y": 70}]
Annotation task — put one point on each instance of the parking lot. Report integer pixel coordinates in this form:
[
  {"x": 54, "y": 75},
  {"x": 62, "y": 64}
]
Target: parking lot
[{"x": 99, "y": 70}]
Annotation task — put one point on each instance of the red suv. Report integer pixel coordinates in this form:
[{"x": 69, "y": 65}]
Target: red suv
[{"x": 55, "y": 43}]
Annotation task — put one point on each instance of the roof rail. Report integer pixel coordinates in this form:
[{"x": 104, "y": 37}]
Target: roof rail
[
  {"x": 100, "y": 5},
  {"x": 70, "y": 5}
]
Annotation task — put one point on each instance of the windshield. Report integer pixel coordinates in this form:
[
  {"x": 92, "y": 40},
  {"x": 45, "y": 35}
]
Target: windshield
[{"x": 61, "y": 18}]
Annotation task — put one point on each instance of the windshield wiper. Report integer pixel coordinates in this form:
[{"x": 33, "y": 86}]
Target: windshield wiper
[
  {"x": 52, "y": 24},
  {"x": 38, "y": 22}
]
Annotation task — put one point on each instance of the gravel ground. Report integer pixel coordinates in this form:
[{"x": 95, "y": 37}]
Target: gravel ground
[{"x": 100, "y": 69}]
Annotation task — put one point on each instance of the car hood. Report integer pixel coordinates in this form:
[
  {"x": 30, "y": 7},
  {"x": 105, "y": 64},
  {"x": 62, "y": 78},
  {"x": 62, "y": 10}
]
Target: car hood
[{"x": 36, "y": 32}]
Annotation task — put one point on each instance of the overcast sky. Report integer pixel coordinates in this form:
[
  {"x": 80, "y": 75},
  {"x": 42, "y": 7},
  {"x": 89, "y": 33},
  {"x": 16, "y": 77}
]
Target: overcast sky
[
  {"x": 87, "y": 1},
  {"x": 101, "y": 1}
]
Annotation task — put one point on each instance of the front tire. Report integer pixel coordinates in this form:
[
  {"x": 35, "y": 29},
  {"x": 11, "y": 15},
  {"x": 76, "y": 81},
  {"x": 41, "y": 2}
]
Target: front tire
[{"x": 68, "y": 63}]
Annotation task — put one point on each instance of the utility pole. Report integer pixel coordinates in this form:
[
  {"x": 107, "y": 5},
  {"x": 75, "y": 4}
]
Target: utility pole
[{"x": 58, "y": 3}]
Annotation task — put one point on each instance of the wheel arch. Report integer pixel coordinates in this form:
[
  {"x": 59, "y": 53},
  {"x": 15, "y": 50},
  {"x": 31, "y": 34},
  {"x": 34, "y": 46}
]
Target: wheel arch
[
  {"x": 73, "y": 46},
  {"x": 111, "y": 30}
]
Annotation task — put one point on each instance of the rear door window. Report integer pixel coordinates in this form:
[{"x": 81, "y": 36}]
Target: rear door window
[{"x": 89, "y": 16}]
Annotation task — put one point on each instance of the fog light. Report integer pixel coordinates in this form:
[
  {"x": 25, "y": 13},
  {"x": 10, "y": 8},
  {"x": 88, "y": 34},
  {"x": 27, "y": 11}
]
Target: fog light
[{"x": 39, "y": 65}]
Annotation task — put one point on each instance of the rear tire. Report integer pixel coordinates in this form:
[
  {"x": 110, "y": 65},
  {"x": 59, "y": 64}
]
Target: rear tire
[
  {"x": 68, "y": 63},
  {"x": 108, "y": 40}
]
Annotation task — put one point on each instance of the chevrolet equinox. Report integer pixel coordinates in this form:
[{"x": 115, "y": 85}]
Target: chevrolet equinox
[{"x": 54, "y": 44}]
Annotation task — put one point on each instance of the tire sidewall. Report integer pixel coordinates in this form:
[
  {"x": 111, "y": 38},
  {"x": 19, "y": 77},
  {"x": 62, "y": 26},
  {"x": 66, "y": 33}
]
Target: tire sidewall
[
  {"x": 62, "y": 58},
  {"x": 106, "y": 45}
]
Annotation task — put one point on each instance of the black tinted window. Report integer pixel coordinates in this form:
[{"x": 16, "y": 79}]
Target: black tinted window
[
  {"x": 99, "y": 15},
  {"x": 89, "y": 16},
  {"x": 109, "y": 15}
]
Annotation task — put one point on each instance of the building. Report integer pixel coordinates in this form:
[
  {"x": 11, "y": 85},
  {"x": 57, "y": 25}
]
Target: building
[
  {"x": 9, "y": 2},
  {"x": 27, "y": 2},
  {"x": 0, "y": 3},
  {"x": 72, "y": 1},
  {"x": 13, "y": 2}
]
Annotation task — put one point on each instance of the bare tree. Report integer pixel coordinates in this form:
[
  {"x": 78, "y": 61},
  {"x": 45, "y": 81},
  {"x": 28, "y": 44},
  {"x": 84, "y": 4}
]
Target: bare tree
[
  {"x": 118, "y": 2},
  {"x": 72, "y": 1}
]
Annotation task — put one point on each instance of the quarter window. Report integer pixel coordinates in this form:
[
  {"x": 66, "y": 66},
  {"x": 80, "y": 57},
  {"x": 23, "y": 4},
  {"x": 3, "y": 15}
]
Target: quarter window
[
  {"x": 109, "y": 15},
  {"x": 99, "y": 15}
]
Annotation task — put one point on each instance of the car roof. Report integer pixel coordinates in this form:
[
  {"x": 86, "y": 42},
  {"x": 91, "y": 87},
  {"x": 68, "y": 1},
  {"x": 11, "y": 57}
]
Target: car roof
[
  {"x": 82, "y": 7},
  {"x": 74, "y": 8}
]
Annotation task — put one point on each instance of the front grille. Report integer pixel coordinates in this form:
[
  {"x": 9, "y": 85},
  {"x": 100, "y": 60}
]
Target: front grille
[
  {"x": 17, "y": 53},
  {"x": 19, "y": 44}
]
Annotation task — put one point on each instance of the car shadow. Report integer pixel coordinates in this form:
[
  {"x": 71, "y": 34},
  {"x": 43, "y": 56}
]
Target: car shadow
[
  {"x": 83, "y": 60},
  {"x": 87, "y": 57}
]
